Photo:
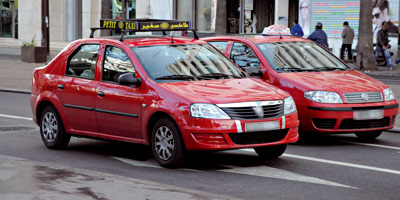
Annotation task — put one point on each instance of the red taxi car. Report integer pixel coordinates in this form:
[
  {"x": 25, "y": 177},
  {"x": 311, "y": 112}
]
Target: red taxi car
[
  {"x": 175, "y": 94},
  {"x": 330, "y": 97}
]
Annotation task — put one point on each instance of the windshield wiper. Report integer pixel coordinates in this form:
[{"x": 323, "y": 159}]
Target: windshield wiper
[
  {"x": 298, "y": 69},
  {"x": 176, "y": 77},
  {"x": 330, "y": 68},
  {"x": 217, "y": 75}
]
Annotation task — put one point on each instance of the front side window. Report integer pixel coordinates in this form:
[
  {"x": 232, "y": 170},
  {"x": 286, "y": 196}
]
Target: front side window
[
  {"x": 244, "y": 56},
  {"x": 220, "y": 45},
  {"x": 195, "y": 62},
  {"x": 82, "y": 62},
  {"x": 299, "y": 57},
  {"x": 116, "y": 62}
]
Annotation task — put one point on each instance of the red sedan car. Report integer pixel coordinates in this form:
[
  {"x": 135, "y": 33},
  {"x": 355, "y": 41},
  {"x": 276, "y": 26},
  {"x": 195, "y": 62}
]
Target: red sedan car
[
  {"x": 330, "y": 97},
  {"x": 175, "y": 94}
]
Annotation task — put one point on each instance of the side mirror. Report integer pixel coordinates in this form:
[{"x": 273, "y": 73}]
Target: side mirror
[
  {"x": 129, "y": 79},
  {"x": 253, "y": 71}
]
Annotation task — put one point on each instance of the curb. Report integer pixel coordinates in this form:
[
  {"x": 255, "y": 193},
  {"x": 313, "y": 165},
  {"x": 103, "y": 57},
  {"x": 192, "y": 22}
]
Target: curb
[
  {"x": 20, "y": 91},
  {"x": 394, "y": 130}
]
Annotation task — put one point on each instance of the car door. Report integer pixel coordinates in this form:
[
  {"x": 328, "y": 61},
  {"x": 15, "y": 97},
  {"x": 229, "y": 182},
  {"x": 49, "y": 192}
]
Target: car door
[
  {"x": 76, "y": 89},
  {"x": 118, "y": 107}
]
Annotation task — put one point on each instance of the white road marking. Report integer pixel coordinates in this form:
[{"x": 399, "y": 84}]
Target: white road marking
[
  {"x": 390, "y": 171},
  {"x": 15, "y": 117},
  {"x": 148, "y": 163},
  {"x": 270, "y": 172},
  {"x": 261, "y": 171},
  {"x": 372, "y": 145}
]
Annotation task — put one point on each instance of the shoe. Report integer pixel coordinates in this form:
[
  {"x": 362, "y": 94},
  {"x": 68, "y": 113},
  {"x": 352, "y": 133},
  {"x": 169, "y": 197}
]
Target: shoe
[{"x": 390, "y": 68}]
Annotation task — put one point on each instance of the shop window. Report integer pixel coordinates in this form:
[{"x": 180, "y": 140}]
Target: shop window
[
  {"x": 203, "y": 16},
  {"x": 244, "y": 56},
  {"x": 6, "y": 18},
  {"x": 82, "y": 63},
  {"x": 116, "y": 63}
]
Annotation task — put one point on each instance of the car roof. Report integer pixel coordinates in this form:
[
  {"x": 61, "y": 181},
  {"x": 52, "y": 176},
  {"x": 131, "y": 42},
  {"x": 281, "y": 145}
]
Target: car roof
[
  {"x": 259, "y": 38},
  {"x": 148, "y": 40}
]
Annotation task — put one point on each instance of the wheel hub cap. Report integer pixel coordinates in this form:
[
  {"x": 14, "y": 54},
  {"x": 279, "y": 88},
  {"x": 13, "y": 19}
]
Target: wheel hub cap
[
  {"x": 164, "y": 143},
  {"x": 49, "y": 127}
]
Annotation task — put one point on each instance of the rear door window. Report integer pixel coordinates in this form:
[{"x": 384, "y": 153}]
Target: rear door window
[{"x": 82, "y": 62}]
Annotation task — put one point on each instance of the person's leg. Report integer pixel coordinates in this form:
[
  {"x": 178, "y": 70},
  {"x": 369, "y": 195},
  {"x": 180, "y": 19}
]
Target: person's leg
[
  {"x": 398, "y": 58},
  {"x": 349, "y": 52},
  {"x": 377, "y": 50},
  {"x": 387, "y": 56},
  {"x": 342, "y": 51}
]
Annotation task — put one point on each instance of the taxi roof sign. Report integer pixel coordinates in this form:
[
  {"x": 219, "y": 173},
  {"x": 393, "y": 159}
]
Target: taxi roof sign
[
  {"x": 144, "y": 25},
  {"x": 276, "y": 30}
]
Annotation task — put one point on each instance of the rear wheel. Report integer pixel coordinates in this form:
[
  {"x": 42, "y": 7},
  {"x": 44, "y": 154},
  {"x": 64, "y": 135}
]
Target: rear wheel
[
  {"x": 270, "y": 152},
  {"x": 368, "y": 136},
  {"x": 166, "y": 144},
  {"x": 52, "y": 129}
]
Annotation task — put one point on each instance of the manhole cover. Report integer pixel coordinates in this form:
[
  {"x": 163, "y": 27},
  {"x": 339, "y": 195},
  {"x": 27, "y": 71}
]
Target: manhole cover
[{"x": 15, "y": 128}]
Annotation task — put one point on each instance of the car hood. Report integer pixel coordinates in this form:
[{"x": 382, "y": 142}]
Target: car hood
[
  {"x": 336, "y": 81},
  {"x": 225, "y": 91}
]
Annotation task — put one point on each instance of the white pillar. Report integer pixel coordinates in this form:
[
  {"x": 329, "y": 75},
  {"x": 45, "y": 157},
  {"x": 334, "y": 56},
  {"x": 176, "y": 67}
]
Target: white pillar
[{"x": 282, "y": 12}]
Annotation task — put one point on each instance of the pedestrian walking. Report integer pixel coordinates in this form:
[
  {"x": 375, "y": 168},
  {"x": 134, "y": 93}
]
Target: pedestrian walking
[
  {"x": 398, "y": 46},
  {"x": 319, "y": 36},
  {"x": 297, "y": 30},
  {"x": 347, "y": 41},
  {"x": 382, "y": 44}
]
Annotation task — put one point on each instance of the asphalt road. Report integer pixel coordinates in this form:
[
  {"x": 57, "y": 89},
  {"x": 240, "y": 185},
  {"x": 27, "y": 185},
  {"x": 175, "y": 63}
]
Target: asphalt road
[
  {"x": 390, "y": 80},
  {"x": 331, "y": 167}
]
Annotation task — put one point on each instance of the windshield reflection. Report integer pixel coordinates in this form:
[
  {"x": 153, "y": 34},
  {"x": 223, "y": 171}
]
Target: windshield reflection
[{"x": 185, "y": 63}]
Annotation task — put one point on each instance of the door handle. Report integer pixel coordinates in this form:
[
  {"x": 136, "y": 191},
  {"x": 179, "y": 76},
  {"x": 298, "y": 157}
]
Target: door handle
[
  {"x": 100, "y": 93},
  {"x": 60, "y": 86}
]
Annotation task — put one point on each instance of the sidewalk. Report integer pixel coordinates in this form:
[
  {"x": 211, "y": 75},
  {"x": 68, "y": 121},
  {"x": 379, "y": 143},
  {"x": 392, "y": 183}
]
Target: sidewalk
[{"x": 16, "y": 76}]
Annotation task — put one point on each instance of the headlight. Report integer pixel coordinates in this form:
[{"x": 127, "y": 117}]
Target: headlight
[
  {"x": 290, "y": 106},
  {"x": 208, "y": 111},
  {"x": 323, "y": 97},
  {"x": 389, "y": 95}
]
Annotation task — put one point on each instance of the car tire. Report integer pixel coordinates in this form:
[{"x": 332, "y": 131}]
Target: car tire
[
  {"x": 52, "y": 129},
  {"x": 270, "y": 152},
  {"x": 368, "y": 136},
  {"x": 167, "y": 144}
]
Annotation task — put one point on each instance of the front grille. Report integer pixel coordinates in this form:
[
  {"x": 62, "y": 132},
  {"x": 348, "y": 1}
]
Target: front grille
[
  {"x": 362, "y": 124},
  {"x": 243, "y": 113},
  {"x": 363, "y": 97},
  {"x": 259, "y": 137},
  {"x": 324, "y": 123}
]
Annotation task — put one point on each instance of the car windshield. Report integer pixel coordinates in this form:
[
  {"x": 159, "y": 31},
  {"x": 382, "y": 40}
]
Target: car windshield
[
  {"x": 299, "y": 57},
  {"x": 172, "y": 63}
]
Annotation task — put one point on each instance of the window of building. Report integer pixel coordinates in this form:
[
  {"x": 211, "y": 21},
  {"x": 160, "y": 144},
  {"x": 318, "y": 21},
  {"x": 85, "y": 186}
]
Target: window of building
[
  {"x": 244, "y": 56},
  {"x": 220, "y": 45},
  {"x": 82, "y": 63},
  {"x": 204, "y": 14},
  {"x": 116, "y": 63},
  {"x": 6, "y": 18}
]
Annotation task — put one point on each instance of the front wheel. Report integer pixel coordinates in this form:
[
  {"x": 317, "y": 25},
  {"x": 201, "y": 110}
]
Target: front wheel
[
  {"x": 166, "y": 144},
  {"x": 271, "y": 152},
  {"x": 368, "y": 136},
  {"x": 52, "y": 129}
]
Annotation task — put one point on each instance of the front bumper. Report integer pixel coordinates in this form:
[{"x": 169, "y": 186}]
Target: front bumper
[
  {"x": 206, "y": 134},
  {"x": 339, "y": 118}
]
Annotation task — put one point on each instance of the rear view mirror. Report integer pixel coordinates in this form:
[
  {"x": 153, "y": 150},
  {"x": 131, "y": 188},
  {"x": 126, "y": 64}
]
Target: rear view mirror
[
  {"x": 253, "y": 71},
  {"x": 129, "y": 79}
]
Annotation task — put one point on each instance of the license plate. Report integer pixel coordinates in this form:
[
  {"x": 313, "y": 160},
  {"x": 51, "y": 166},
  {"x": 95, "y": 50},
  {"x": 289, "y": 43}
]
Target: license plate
[
  {"x": 367, "y": 114},
  {"x": 262, "y": 126}
]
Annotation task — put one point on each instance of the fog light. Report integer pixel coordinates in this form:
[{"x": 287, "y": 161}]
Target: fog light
[{"x": 216, "y": 139}]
